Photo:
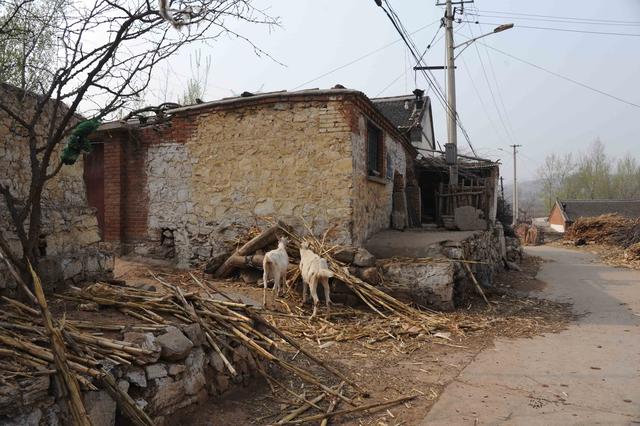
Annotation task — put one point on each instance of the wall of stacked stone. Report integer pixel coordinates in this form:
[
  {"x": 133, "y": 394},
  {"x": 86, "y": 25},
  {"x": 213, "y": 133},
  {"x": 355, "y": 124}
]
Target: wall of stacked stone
[
  {"x": 182, "y": 371},
  {"x": 210, "y": 174},
  {"x": 372, "y": 197},
  {"x": 70, "y": 240},
  {"x": 441, "y": 285}
]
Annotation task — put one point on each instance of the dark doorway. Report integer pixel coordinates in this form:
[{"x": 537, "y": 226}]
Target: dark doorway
[{"x": 94, "y": 181}]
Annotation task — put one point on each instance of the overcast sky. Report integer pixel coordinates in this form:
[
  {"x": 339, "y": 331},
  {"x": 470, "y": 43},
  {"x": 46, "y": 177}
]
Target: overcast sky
[{"x": 542, "y": 112}]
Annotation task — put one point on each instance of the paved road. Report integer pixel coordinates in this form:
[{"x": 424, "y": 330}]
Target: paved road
[{"x": 588, "y": 374}]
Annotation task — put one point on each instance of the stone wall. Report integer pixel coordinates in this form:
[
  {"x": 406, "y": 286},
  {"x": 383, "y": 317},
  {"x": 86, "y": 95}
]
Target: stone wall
[
  {"x": 212, "y": 173},
  {"x": 70, "y": 238},
  {"x": 444, "y": 284},
  {"x": 181, "y": 371},
  {"x": 372, "y": 196}
]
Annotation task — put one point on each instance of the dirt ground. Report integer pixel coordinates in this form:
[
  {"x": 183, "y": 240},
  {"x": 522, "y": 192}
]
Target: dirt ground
[{"x": 387, "y": 367}]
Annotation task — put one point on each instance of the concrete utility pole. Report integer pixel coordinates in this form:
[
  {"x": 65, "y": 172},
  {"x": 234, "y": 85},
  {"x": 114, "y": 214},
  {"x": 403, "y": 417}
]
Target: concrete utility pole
[
  {"x": 515, "y": 185},
  {"x": 452, "y": 130}
]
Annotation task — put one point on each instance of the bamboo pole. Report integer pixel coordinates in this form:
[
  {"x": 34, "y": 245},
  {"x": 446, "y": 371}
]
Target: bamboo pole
[
  {"x": 375, "y": 406},
  {"x": 76, "y": 407},
  {"x": 308, "y": 354},
  {"x": 473, "y": 278},
  {"x": 332, "y": 406}
]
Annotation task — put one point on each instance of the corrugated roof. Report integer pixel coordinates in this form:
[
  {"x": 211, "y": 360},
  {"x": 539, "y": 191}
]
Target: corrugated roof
[
  {"x": 574, "y": 209},
  {"x": 400, "y": 110}
]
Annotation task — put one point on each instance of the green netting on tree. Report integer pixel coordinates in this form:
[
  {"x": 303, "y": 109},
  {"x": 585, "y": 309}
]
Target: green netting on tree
[{"x": 79, "y": 141}]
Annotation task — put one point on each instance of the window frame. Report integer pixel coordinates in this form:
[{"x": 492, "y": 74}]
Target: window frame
[{"x": 380, "y": 171}]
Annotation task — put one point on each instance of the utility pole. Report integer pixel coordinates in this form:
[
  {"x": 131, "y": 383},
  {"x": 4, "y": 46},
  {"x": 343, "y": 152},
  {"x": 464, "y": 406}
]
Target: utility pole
[
  {"x": 515, "y": 185},
  {"x": 452, "y": 130}
]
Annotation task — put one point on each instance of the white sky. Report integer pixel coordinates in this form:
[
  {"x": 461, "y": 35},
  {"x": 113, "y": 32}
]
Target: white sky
[{"x": 540, "y": 111}]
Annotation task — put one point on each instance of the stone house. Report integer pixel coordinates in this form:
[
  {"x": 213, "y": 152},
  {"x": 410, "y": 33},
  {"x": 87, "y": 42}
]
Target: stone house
[
  {"x": 70, "y": 241},
  {"x": 186, "y": 183},
  {"x": 565, "y": 212}
]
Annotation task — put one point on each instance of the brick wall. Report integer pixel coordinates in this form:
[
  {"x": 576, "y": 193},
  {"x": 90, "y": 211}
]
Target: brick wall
[{"x": 556, "y": 220}]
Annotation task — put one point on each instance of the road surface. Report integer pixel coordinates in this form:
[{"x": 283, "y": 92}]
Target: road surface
[{"x": 588, "y": 374}]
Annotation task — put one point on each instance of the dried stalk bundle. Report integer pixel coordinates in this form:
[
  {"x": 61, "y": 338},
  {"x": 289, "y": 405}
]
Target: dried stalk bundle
[
  {"x": 606, "y": 229},
  {"x": 375, "y": 298}
]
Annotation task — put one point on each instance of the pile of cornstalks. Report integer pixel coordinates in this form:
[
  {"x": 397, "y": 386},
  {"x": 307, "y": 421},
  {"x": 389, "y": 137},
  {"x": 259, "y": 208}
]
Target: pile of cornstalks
[
  {"x": 606, "y": 229},
  {"x": 26, "y": 349},
  {"x": 613, "y": 230}
]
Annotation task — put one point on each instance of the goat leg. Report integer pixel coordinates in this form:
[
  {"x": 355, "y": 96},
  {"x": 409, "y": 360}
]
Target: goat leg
[
  {"x": 327, "y": 296},
  {"x": 313, "y": 289},
  {"x": 305, "y": 286},
  {"x": 264, "y": 292}
]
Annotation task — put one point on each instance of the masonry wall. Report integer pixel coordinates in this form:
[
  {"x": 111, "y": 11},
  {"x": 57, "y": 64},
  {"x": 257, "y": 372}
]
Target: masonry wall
[
  {"x": 70, "y": 238},
  {"x": 189, "y": 189},
  {"x": 556, "y": 221},
  {"x": 372, "y": 196}
]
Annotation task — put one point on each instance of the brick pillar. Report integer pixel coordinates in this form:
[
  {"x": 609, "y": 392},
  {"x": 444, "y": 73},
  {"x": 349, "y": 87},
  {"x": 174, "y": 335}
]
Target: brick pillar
[{"x": 113, "y": 190}]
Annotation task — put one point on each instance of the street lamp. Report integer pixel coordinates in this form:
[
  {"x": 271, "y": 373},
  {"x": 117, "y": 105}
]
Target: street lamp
[{"x": 498, "y": 29}]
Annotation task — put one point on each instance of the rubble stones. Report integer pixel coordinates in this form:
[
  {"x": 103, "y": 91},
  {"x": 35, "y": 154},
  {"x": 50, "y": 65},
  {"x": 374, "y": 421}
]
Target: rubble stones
[
  {"x": 363, "y": 258},
  {"x": 194, "y": 333},
  {"x": 175, "y": 369},
  {"x": 101, "y": 408},
  {"x": 215, "y": 360},
  {"x": 30, "y": 419},
  {"x": 194, "y": 379},
  {"x": 156, "y": 371},
  {"x": 136, "y": 376},
  {"x": 167, "y": 393},
  {"x": 345, "y": 254},
  {"x": 369, "y": 275},
  {"x": 145, "y": 341},
  {"x": 174, "y": 345}
]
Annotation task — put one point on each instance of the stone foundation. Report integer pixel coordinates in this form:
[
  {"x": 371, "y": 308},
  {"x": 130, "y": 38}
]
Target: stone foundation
[
  {"x": 181, "y": 371},
  {"x": 441, "y": 283}
]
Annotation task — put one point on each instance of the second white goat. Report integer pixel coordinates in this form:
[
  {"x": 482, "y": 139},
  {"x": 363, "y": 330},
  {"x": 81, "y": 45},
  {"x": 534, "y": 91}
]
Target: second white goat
[{"x": 314, "y": 269}]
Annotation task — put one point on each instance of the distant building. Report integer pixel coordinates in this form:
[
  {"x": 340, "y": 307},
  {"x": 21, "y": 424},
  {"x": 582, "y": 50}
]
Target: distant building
[
  {"x": 565, "y": 212},
  {"x": 411, "y": 114}
]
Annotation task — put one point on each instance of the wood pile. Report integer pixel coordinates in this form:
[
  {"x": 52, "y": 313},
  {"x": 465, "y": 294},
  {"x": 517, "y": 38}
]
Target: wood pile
[
  {"x": 529, "y": 235},
  {"x": 611, "y": 229}
]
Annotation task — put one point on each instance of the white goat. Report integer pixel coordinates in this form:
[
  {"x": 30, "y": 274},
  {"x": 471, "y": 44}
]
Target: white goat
[
  {"x": 275, "y": 264},
  {"x": 314, "y": 269}
]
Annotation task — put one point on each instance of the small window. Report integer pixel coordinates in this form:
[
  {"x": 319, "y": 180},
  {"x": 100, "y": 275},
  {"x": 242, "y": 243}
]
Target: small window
[{"x": 375, "y": 150}]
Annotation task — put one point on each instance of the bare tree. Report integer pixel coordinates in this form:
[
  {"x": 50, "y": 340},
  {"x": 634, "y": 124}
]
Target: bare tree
[
  {"x": 626, "y": 180},
  {"x": 554, "y": 174},
  {"x": 106, "y": 53}
]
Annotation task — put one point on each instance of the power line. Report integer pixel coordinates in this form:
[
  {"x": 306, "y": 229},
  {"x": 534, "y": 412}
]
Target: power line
[
  {"x": 563, "y": 17},
  {"x": 586, "y": 86},
  {"x": 566, "y": 30},
  {"x": 431, "y": 80},
  {"x": 411, "y": 66},
  {"x": 493, "y": 97},
  {"x": 366, "y": 55},
  {"x": 495, "y": 79},
  {"x": 477, "y": 92}
]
